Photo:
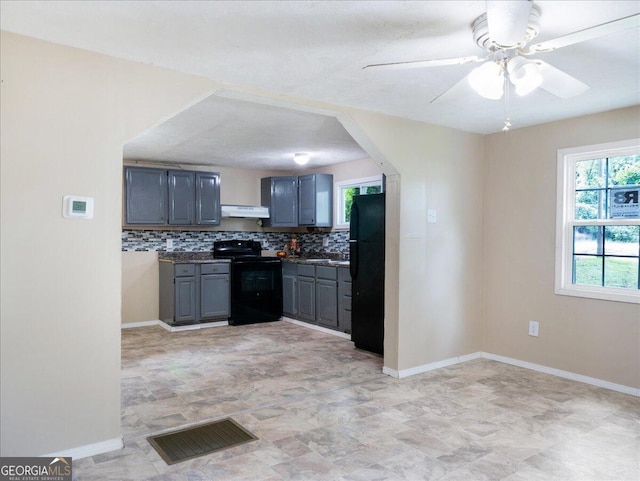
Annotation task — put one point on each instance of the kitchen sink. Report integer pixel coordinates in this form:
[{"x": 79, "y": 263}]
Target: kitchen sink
[{"x": 340, "y": 263}]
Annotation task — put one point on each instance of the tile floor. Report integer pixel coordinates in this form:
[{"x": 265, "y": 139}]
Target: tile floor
[{"x": 324, "y": 411}]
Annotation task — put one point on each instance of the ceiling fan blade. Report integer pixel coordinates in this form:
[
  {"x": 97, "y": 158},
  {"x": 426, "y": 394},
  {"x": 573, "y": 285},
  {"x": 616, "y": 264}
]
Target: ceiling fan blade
[
  {"x": 588, "y": 34},
  {"x": 559, "y": 83},
  {"x": 507, "y": 21},
  {"x": 455, "y": 91},
  {"x": 424, "y": 63}
]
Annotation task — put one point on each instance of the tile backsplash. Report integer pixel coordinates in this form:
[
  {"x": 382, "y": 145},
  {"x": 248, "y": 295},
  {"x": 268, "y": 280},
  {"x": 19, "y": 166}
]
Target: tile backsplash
[{"x": 194, "y": 241}]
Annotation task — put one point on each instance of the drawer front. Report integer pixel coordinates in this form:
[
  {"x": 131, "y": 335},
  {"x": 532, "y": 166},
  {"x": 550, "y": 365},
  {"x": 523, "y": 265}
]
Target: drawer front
[
  {"x": 344, "y": 274},
  {"x": 182, "y": 270},
  {"x": 324, "y": 272},
  {"x": 306, "y": 270},
  {"x": 221, "y": 268}
]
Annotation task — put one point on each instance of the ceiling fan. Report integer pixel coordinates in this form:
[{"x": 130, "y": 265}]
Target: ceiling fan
[{"x": 505, "y": 32}]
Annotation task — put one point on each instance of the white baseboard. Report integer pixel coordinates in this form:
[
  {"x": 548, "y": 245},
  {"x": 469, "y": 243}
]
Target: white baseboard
[
  {"x": 430, "y": 367},
  {"x": 89, "y": 449},
  {"x": 317, "y": 328},
  {"x": 564, "y": 374},
  {"x": 164, "y": 325},
  {"x": 515, "y": 362},
  {"x": 131, "y": 325}
]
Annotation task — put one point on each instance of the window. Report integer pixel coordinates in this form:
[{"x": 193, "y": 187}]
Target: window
[
  {"x": 598, "y": 222},
  {"x": 345, "y": 190}
]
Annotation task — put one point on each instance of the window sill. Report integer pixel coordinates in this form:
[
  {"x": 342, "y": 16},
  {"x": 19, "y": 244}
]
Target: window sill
[{"x": 603, "y": 294}]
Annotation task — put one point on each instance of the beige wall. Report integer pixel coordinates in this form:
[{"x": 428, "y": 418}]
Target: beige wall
[
  {"x": 65, "y": 115},
  {"x": 600, "y": 339},
  {"x": 439, "y": 275}
]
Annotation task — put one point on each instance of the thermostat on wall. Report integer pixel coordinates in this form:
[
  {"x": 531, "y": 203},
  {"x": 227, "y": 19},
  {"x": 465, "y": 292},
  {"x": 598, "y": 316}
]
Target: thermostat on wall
[{"x": 74, "y": 207}]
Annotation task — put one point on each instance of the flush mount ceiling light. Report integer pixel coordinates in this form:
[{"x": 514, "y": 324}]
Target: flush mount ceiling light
[{"x": 300, "y": 158}]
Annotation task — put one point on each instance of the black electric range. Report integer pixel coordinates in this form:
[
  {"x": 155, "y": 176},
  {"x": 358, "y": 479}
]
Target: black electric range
[{"x": 256, "y": 282}]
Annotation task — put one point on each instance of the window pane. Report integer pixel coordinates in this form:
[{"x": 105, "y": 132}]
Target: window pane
[
  {"x": 587, "y": 240},
  {"x": 591, "y": 204},
  {"x": 372, "y": 189},
  {"x": 621, "y": 272},
  {"x": 347, "y": 195},
  {"x": 624, "y": 170},
  {"x": 590, "y": 173},
  {"x": 622, "y": 240},
  {"x": 587, "y": 270}
]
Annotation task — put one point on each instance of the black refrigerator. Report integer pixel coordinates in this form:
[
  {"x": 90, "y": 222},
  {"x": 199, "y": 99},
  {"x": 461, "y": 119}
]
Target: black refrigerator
[{"x": 366, "y": 252}]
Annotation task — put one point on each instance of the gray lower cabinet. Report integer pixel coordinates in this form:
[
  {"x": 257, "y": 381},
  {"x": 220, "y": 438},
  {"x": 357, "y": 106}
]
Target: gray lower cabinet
[
  {"x": 190, "y": 293},
  {"x": 215, "y": 291},
  {"x": 327, "y": 296},
  {"x": 289, "y": 289},
  {"x": 317, "y": 294},
  {"x": 306, "y": 292},
  {"x": 184, "y": 291},
  {"x": 344, "y": 299}
]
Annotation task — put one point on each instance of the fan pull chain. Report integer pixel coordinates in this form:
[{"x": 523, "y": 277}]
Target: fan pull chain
[{"x": 507, "y": 120}]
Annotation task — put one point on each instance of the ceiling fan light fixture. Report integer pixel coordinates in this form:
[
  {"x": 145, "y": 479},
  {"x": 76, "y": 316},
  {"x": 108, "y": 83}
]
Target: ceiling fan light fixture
[
  {"x": 524, "y": 74},
  {"x": 301, "y": 158},
  {"x": 488, "y": 80}
]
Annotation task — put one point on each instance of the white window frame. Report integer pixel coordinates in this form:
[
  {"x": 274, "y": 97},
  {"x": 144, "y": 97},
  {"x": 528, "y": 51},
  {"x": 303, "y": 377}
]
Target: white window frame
[
  {"x": 338, "y": 188},
  {"x": 565, "y": 221}
]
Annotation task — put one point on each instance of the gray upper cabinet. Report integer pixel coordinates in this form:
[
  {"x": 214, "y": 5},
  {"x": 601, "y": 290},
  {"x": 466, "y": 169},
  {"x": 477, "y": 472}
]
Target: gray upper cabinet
[
  {"x": 298, "y": 201},
  {"x": 280, "y": 194},
  {"x": 171, "y": 197},
  {"x": 315, "y": 200},
  {"x": 146, "y": 196},
  {"x": 208, "y": 198},
  {"x": 181, "y": 197}
]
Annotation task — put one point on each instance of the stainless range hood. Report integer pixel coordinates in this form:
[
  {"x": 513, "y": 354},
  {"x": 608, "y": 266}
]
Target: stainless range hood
[{"x": 245, "y": 211}]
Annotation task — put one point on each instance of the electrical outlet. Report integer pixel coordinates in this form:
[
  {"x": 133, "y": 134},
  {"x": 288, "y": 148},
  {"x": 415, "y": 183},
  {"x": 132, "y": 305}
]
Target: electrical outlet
[
  {"x": 534, "y": 328},
  {"x": 169, "y": 243},
  {"x": 431, "y": 216},
  {"x": 325, "y": 242}
]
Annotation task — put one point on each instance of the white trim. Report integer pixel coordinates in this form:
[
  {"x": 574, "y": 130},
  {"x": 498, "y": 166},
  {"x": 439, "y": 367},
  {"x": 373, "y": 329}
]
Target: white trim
[
  {"x": 132, "y": 325},
  {"x": 337, "y": 194},
  {"x": 164, "y": 325},
  {"x": 343, "y": 335},
  {"x": 431, "y": 366},
  {"x": 564, "y": 374},
  {"x": 565, "y": 208},
  {"x": 514, "y": 362},
  {"x": 89, "y": 449}
]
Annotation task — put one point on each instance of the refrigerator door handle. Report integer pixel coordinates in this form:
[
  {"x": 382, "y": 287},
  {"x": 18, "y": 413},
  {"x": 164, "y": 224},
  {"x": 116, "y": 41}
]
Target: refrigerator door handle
[
  {"x": 353, "y": 242},
  {"x": 353, "y": 259}
]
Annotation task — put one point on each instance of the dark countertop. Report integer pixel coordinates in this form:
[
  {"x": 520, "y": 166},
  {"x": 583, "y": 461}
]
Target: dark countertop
[
  {"x": 318, "y": 261},
  {"x": 189, "y": 257},
  {"x": 207, "y": 257}
]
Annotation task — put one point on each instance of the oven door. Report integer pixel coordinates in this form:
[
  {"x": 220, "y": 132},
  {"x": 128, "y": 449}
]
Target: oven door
[{"x": 256, "y": 290}]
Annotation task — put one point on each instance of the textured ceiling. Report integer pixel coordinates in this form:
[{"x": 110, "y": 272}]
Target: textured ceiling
[
  {"x": 316, "y": 50},
  {"x": 221, "y": 131}
]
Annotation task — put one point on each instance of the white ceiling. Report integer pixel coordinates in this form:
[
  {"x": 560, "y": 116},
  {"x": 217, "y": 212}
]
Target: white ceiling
[{"x": 316, "y": 50}]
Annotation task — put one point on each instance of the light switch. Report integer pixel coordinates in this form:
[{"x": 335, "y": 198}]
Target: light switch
[{"x": 431, "y": 216}]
